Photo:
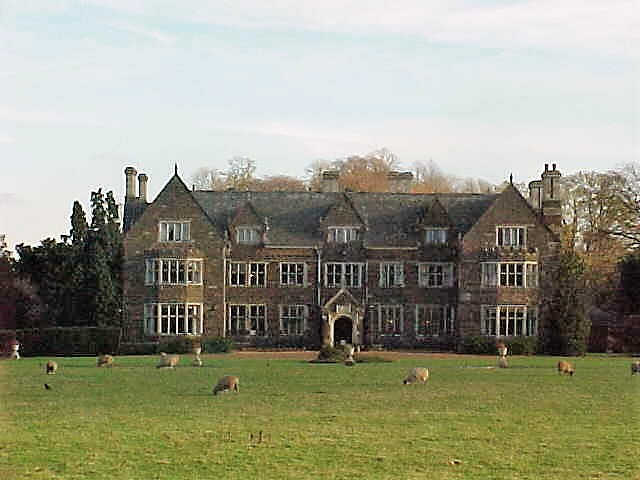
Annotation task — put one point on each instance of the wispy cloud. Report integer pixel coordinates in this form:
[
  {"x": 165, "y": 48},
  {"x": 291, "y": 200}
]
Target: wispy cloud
[
  {"x": 609, "y": 27},
  {"x": 148, "y": 33}
]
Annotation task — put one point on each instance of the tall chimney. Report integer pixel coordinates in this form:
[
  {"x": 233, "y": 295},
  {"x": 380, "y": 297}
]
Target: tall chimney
[
  {"x": 130, "y": 176},
  {"x": 400, "y": 182},
  {"x": 551, "y": 201},
  {"x": 142, "y": 187},
  {"x": 329, "y": 181},
  {"x": 535, "y": 194}
]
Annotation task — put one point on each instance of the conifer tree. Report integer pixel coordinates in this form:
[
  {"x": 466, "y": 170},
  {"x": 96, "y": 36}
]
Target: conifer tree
[
  {"x": 77, "y": 267},
  {"x": 103, "y": 298}
]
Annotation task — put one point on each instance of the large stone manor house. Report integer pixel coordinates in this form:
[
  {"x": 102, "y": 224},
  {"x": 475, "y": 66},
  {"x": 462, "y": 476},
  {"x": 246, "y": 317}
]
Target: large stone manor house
[{"x": 307, "y": 268}]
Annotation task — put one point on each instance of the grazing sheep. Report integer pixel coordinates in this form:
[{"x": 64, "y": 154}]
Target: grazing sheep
[
  {"x": 168, "y": 361},
  {"x": 566, "y": 368},
  {"x": 417, "y": 375},
  {"x": 635, "y": 367},
  {"x": 105, "y": 361},
  {"x": 226, "y": 383},
  {"x": 502, "y": 362},
  {"x": 52, "y": 367}
]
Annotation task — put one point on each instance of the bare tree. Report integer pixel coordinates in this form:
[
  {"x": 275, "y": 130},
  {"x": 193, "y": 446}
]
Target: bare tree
[
  {"x": 208, "y": 179},
  {"x": 429, "y": 178},
  {"x": 241, "y": 173},
  {"x": 279, "y": 183},
  {"x": 626, "y": 198}
]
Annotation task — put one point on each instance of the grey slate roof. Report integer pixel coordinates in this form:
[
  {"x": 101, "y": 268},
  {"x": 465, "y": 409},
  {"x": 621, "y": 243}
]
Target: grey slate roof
[{"x": 294, "y": 218}]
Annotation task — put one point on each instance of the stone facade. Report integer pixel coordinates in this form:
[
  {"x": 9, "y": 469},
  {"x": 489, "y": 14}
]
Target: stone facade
[{"x": 307, "y": 268}]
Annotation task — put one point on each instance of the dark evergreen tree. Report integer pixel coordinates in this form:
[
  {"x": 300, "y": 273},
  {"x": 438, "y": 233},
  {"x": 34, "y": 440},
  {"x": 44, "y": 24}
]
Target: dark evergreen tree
[
  {"x": 20, "y": 304},
  {"x": 46, "y": 266},
  {"x": 114, "y": 251},
  {"x": 565, "y": 323},
  {"x": 101, "y": 284},
  {"x": 79, "y": 227},
  {"x": 103, "y": 304},
  {"x": 630, "y": 284},
  {"x": 77, "y": 267}
]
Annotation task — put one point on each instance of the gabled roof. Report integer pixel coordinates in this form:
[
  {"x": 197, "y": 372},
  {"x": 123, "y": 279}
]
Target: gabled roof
[
  {"x": 345, "y": 296},
  {"x": 295, "y": 217},
  {"x": 342, "y": 213},
  {"x": 246, "y": 215},
  {"x": 435, "y": 216}
]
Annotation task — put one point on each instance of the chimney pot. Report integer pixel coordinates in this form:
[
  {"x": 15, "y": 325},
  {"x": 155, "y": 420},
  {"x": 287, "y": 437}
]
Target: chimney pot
[{"x": 546, "y": 167}]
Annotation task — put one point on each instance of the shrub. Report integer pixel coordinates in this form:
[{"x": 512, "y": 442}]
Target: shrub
[
  {"x": 435, "y": 343},
  {"x": 178, "y": 345},
  {"x": 68, "y": 341},
  {"x": 217, "y": 344},
  {"x": 522, "y": 345},
  {"x": 478, "y": 345},
  {"x": 333, "y": 354},
  {"x": 139, "y": 348}
]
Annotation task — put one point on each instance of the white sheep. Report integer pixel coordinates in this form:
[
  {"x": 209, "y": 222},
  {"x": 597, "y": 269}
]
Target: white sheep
[
  {"x": 52, "y": 367},
  {"x": 417, "y": 375},
  {"x": 168, "y": 361},
  {"x": 226, "y": 383},
  {"x": 104, "y": 361}
]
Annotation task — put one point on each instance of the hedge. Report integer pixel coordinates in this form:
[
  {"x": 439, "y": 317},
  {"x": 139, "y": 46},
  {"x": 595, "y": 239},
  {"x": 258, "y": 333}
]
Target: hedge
[{"x": 68, "y": 341}]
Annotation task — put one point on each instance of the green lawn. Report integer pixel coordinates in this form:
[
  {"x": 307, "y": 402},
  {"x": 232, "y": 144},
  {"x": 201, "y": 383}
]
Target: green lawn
[{"x": 320, "y": 421}]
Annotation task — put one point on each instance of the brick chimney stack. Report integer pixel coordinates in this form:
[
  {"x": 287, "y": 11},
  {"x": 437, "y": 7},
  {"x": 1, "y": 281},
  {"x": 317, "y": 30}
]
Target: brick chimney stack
[
  {"x": 535, "y": 195},
  {"x": 329, "y": 181},
  {"x": 142, "y": 187},
  {"x": 400, "y": 182},
  {"x": 130, "y": 178},
  {"x": 551, "y": 198}
]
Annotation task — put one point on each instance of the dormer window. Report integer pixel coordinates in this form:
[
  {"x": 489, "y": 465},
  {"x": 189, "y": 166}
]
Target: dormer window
[
  {"x": 342, "y": 234},
  {"x": 248, "y": 235},
  {"x": 175, "y": 231},
  {"x": 435, "y": 236},
  {"x": 511, "y": 236}
]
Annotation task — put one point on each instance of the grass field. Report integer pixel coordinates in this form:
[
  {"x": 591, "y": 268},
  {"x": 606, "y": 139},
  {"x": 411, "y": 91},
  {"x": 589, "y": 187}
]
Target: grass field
[{"x": 320, "y": 421}]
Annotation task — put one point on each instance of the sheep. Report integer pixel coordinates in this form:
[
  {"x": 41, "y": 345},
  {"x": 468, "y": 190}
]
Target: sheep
[
  {"x": 417, "y": 375},
  {"x": 502, "y": 349},
  {"x": 502, "y": 362},
  {"x": 197, "y": 349},
  {"x": 349, "y": 352},
  {"x": 226, "y": 383},
  {"x": 635, "y": 367},
  {"x": 566, "y": 368},
  {"x": 105, "y": 361},
  {"x": 168, "y": 361},
  {"x": 52, "y": 367}
]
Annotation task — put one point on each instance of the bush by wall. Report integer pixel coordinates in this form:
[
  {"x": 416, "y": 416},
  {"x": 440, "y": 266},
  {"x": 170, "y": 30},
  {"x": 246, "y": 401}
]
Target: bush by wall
[
  {"x": 217, "y": 345},
  {"x": 138, "y": 348},
  {"x": 68, "y": 341},
  {"x": 522, "y": 345},
  {"x": 478, "y": 345}
]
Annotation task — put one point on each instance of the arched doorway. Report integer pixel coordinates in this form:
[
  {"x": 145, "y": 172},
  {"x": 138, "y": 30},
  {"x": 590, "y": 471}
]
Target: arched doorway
[{"x": 342, "y": 330}]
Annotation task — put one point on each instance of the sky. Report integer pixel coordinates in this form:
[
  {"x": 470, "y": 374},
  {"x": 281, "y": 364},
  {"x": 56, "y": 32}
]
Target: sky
[{"x": 482, "y": 88}]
